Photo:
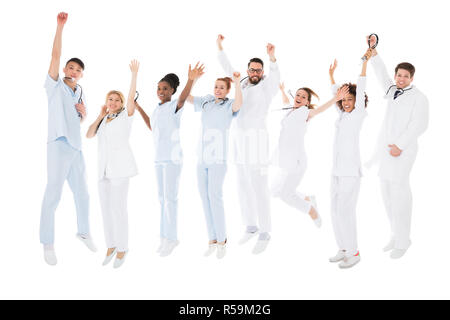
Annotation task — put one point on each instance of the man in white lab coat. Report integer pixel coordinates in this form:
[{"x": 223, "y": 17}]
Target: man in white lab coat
[
  {"x": 251, "y": 144},
  {"x": 405, "y": 120}
]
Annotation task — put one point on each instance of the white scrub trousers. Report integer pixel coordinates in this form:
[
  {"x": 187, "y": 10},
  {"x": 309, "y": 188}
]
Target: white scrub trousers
[
  {"x": 210, "y": 185},
  {"x": 113, "y": 200},
  {"x": 284, "y": 187},
  {"x": 397, "y": 199},
  {"x": 344, "y": 197},
  {"x": 64, "y": 163},
  {"x": 254, "y": 196},
  {"x": 168, "y": 177}
]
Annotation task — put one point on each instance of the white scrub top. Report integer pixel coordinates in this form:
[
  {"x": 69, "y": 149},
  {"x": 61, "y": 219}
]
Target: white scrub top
[
  {"x": 216, "y": 122},
  {"x": 63, "y": 119},
  {"x": 346, "y": 151},
  {"x": 291, "y": 153},
  {"x": 115, "y": 158},
  {"x": 165, "y": 122}
]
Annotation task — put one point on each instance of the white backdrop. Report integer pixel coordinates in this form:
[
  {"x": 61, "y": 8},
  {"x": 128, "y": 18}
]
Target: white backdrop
[{"x": 165, "y": 37}]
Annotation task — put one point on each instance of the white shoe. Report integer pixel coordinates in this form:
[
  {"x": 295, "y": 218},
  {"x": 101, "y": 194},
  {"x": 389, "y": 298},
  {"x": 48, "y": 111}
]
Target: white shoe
[
  {"x": 161, "y": 245},
  {"x": 350, "y": 261},
  {"x": 87, "y": 240},
  {"x": 261, "y": 246},
  {"x": 168, "y": 247},
  {"x": 398, "y": 253},
  {"x": 221, "y": 250},
  {"x": 119, "y": 262},
  {"x": 338, "y": 257},
  {"x": 110, "y": 257},
  {"x": 247, "y": 236},
  {"x": 50, "y": 257},
  {"x": 318, "y": 220},
  {"x": 389, "y": 246},
  {"x": 211, "y": 248}
]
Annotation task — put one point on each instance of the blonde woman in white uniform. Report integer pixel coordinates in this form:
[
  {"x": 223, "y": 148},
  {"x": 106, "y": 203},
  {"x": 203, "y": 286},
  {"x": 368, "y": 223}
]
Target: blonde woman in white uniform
[
  {"x": 346, "y": 173},
  {"x": 116, "y": 165},
  {"x": 290, "y": 156}
]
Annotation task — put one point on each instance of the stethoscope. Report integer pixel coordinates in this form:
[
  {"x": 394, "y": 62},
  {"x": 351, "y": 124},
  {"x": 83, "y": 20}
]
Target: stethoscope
[
  {"x": 402, "y": 91},
  {"x": 115, "y": 115},
  {"x": 213, "y": 100},
  {"x": 371, "y": 47},
  {"x": 80, "y": 99}
]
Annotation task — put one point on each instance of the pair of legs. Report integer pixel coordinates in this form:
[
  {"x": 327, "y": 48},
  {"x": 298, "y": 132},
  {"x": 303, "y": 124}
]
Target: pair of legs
[
  {"x": 168, "y": 178},
  {"x": 64, "y": 163},
  {"x": 210, "y": 184},
  {"x": 285, "y": 185},
  {"x": 397, "y": 198},
  {"x": 344, "y": 197},
  {"x": 254, "y": 198},
  {"x": 113, "y": 200}
]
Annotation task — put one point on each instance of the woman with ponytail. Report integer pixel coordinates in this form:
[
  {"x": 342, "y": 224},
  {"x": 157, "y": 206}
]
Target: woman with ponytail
[
  {"x": 217, "y": 113},
  {"x": 290, "y": 157},
  {"x": 165, "y": 125}
]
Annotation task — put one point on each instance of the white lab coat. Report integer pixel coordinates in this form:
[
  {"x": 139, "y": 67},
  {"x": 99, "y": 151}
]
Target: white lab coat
[
  {"x": 405, "y": 120},
  {"x": 251, "y": 146}
]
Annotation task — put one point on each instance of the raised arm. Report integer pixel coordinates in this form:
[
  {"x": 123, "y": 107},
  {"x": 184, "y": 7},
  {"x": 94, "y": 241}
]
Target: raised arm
[
  {"x": 238, "y": 92},
  {"x": 57, "y": 46},
  {"x": 193, "y": 75},
  {"x": 143, "y": 115},
  {"x": 339, "y": 96},
  {"x": 283, "y": 94},
  {"x": 331, "y": 71},
  {"x": 360, "y": 102},
  {"x": 273, "y": 79},
  {"x": 92, "y": 131},
  {"x": 381, "y": 71},
  {"x": 223, "y": 59},
  {"x": 131, "y": 106}
]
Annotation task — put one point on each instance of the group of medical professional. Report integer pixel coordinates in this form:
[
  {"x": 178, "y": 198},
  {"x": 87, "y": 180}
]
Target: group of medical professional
[{"x": 406, "y": 119}]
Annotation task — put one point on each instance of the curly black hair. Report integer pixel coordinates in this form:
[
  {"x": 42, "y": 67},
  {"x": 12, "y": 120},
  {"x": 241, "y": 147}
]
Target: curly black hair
[{"x": 352, "y": 91}]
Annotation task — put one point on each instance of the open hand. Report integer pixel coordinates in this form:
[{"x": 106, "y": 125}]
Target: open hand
[
  {"x": 197, "y": 72},
  {"x": 281, "y": 86},
  {"x": 342, "y": 92},
  {"x": 333, "y": 67},
  {"x": 134, "y": 66}
]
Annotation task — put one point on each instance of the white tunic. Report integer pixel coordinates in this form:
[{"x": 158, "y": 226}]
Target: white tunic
[
  {"x": 346, "y": 152},
  {"x": 251, "y": 140},
  {"x": 405, "y": 120},
  {"x": 291, "y": 154},
  {"x": 115, "y": 158}
]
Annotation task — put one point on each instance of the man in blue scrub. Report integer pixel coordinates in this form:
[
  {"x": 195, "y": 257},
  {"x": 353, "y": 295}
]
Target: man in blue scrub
[{"x": 65, "y": 161}]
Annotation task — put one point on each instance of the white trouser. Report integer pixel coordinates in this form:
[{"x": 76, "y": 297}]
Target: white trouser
[
  {"x": 210, "y": 185},
  {"x": 397, "y": 199},
  {"x": 168, "y": 177},
  {"x": 284, "y": 186},
  {"x": 344, "y": 197},
  {"x": 113, "y": 200},
  {"x": 64, "y": 163},
  {"x": 254, "y": 196}
]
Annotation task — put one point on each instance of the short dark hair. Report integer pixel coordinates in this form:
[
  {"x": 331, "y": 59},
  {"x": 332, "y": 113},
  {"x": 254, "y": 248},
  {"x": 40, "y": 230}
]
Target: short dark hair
[
  {"x": 257, "y": 60},
  {"x": 406, "y": 66},
  {"x": 77, "y": 61},
  {"x": 173, "y": 81}
]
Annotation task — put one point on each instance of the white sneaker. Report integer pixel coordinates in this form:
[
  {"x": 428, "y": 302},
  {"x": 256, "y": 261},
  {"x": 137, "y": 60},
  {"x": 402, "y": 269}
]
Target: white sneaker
[
  {"x": 211, "y": 248},
  {"x": 161, "y": 245},
  {"x": 338, "y": 257},
  {"x": 389, "y": 246},
  {"x": 261, "y": 246},
  {"x": 119, "y": 262},
  {"x": 50, "y": 257},
  {"x": 398, "y": 253},
  {"x": 318, "y": 220},
  {"x": 247, "y": 236},
  {"x": 350, "y": 261},
  {"x": 109, "y": 258},
  {"x": 168, "y": 247},
  {"x": 87, "y": 240},
  {"x": 221, "y": 250}
]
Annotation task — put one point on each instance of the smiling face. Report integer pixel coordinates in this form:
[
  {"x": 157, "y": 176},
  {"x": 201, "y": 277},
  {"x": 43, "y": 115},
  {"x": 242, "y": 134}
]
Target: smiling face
[
  {"x": 221, "y": 89},
  {"x": 164, "y": 91},
  {"x": 348, "y": 103},
  {"x": 302, "y": 98},
  {"x": 73, "y": 70},
  {"x": 255, "y": 72},
  {"x": 403, "y": 78},
  {"x": 114, "y": 103}
]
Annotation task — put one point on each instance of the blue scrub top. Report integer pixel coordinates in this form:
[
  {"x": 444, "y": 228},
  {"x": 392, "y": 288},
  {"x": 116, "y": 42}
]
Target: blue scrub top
[
  {"x": 216, "y": 122},
  {"x": 63, "y": 119},
  {"x": 165, "y": 122}
]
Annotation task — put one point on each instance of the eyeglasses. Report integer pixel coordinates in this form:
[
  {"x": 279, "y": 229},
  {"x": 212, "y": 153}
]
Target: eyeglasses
[{"x": 258, "y": 71}]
